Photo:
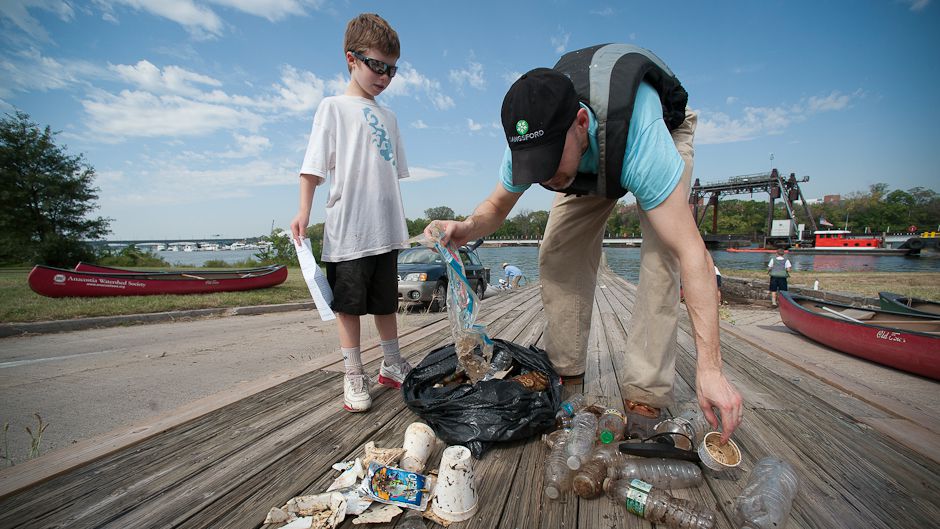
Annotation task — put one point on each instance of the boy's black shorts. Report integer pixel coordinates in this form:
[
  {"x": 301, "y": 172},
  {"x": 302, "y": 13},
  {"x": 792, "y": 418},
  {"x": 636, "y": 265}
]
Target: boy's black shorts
[
  {"x": 368, "y": 285},
  {"x": 778, "y": 284}
]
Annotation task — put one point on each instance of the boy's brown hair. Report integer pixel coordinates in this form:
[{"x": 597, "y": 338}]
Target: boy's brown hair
[{"x": 369, "y": 30}]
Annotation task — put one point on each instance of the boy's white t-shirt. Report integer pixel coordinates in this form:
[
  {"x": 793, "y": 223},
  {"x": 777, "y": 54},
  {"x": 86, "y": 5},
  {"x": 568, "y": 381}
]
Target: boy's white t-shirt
[{"x": 356, "y": 147}]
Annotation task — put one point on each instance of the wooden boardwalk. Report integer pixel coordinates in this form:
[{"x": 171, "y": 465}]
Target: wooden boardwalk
[{"x": 226, "y": 467}]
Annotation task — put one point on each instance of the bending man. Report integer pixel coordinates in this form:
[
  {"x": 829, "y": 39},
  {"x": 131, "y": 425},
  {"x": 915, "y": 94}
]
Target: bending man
[{"x": 605, "y": 121}]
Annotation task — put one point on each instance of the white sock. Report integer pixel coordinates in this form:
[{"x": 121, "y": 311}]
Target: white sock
[
  {"x": 352, "y": 360},
  {"x": 391, "y": 351}
]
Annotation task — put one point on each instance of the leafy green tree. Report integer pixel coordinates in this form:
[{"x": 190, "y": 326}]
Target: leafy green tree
[
  {"x": 46, "y": 197},
  {"x": 439, "y": 213}
]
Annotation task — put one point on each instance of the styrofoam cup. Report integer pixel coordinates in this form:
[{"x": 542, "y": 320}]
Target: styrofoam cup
[
  {"x": 419, "y": 441},
  {"x": 455, "y": 496},
  {"x": 716, "y": 457}
]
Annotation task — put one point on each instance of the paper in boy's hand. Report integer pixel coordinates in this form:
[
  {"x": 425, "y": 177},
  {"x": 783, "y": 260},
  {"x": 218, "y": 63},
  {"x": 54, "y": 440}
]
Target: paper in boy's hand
[{"x": 316, "y": 280}]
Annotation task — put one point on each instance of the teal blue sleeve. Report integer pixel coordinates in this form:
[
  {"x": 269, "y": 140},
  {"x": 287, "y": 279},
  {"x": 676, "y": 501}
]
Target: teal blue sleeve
[
  {"x": 505, "y": 174},
  {"x": 652, "y": 166}
]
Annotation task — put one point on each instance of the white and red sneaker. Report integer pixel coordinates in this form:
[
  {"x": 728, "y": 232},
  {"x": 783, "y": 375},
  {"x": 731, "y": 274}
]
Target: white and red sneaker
[
  {"x": 356, "y": 397},
  {"x": 393, "y": 375}
]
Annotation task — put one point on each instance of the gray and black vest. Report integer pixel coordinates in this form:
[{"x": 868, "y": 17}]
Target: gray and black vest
[
  {"x": 606, "y": 77},
  {"x": 778, "y": 268}
]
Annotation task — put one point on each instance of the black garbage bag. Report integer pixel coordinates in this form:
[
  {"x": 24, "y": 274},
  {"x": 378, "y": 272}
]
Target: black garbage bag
[{"x": 491, "y": 411}]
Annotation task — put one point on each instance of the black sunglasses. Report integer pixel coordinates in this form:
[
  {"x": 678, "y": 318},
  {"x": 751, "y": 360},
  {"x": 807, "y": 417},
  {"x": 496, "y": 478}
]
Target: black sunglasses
[{"x": 376, "y": 65}]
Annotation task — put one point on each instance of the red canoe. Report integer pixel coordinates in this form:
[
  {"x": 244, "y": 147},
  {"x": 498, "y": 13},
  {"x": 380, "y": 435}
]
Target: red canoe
[
  {"x": 58, "y": 282},
  {"x": 903, "y": 341},
  {"x": 89, "y": 267}
]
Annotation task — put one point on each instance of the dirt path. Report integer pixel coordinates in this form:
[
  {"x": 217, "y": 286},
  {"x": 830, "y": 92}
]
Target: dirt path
[{"x": 86, "y": 383}]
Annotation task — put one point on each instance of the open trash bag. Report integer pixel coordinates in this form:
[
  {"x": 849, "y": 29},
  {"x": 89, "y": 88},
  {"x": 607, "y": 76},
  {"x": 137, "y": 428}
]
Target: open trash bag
[{"x": 477, "y": 415}]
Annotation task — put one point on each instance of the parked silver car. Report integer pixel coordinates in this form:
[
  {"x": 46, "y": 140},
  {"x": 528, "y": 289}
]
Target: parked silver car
[{"x": 422, "y": 276}]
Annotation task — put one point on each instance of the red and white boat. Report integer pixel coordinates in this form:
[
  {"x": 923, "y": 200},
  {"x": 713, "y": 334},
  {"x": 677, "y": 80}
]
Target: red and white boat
[
  {"x": 904, "y": 341},
  {"x": 59, "y": 282},
  {"x": 840, "y": 242},
  {"x": 90, "y": 267}
]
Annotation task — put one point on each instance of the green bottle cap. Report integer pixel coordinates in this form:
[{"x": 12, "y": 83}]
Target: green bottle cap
[{"x": 607, "y": 437}]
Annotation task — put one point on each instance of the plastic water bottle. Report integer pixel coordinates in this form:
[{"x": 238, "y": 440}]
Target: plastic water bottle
[
  {"x": 611, "y": 426},
  {"x": 557, "y": 474},
  {"x": 658, "y": 506},
  {"x": 581, "y": 439},
  {"x": 412, "y": 519},
  {"x": 766, "y": 500},
  {"x": 588, "y": 481},
  {"x": 571, "y": 406},
  {"x": 662, "y": 473},
  {"x": 608, "y": 454}
]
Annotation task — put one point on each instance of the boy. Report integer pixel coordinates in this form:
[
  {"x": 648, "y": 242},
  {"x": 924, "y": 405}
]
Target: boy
[
  {"x": 355, "y": 142},
  {"x": 779, "y": 269}
]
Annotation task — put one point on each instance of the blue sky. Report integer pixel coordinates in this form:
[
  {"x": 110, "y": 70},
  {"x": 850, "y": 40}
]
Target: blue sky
[{"x": 195, "y": 113}]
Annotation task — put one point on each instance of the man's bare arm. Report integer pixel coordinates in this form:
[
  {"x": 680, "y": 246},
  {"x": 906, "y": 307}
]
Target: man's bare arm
[{"x": 485, "y": 219}]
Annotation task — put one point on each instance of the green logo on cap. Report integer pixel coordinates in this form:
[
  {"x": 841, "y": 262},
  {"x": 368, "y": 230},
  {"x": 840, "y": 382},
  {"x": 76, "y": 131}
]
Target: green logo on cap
[{"x": 522, "y": 126}]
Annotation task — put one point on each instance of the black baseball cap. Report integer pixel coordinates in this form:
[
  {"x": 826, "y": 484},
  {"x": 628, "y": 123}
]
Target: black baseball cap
[{"x": 538, "y": 110}]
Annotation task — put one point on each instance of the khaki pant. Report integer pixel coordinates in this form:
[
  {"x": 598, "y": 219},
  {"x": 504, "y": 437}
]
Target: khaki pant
[{"x": 568, "y": 261}]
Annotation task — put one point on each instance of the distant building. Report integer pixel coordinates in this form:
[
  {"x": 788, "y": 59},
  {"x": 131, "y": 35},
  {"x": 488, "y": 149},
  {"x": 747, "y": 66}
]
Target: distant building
[
  {"x": 832, "y": 199},
  {"x": 814, "y": 201}
]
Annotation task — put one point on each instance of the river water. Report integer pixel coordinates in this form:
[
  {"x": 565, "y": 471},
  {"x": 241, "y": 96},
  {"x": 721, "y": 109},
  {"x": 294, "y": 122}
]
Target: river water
[{"x": 626, "y": 261}]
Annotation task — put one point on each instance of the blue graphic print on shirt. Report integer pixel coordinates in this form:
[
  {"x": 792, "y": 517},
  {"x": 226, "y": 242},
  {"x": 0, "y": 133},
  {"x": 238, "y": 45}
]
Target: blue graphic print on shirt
[{"x": 379, "y": 135}]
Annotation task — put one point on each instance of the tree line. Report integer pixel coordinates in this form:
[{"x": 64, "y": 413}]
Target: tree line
[{"x": 48, "y": 199}]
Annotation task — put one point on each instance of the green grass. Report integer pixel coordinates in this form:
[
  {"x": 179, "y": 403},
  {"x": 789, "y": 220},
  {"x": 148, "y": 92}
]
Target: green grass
[{"x": 18, "y": 303}]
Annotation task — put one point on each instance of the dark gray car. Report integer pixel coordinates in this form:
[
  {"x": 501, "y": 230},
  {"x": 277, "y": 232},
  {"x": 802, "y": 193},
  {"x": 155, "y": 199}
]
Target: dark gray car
[{"x": 422, "y": 276}]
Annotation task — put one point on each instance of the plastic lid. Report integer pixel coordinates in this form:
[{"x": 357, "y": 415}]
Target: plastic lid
[{"x": 607, "y": 437}]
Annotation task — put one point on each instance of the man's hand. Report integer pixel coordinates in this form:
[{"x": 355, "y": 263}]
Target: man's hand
[
  {"x": 450, "y": 231},
  {"x": 714, "y": 391}
]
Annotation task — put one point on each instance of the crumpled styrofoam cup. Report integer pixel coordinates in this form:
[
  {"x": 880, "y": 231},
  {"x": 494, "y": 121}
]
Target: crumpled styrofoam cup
[
  {"x": 419, "y": 441},
  {"x": 455, "y": 496}
]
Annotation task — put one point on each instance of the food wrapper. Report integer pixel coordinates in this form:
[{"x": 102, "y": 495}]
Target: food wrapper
[{"x": 395, "y": 486}]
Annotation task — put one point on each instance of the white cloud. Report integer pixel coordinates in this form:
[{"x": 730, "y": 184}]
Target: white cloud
[
  {"x": 134, "y": 113},
  {"x": 730, "y": 100},
  {"x": 560, "y": 43},
  {"x": 248, "y": 147},
  {"x": 719, "y": 127},
  {"x": 272, "y": 10},
  {"x": 29, "y": 70},
  {"x": 915, "y": 5},
  {"x": 200, "y": 21},
  {"x": 298, "y": 91},
  {"x": 472, "y": 75},
  {"x": 473, "y": 126},
  {"x": 17, "y": 11},
  {"x": 606, "y": 12},
  {"x": 172, "y": 80},
  {"x": 512, "y": 77},
  {"x": 422, "y": 173},
  {"x": 420, "y": 124},
  {"x": 337, "y": 85},
  {"x": 410, "y": 82},
  {"x": 162, "y": 182}
]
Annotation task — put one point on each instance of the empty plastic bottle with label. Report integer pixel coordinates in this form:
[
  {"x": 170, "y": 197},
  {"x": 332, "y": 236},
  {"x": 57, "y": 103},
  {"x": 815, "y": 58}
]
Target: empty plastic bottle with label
[
  {"x": 658, "y": 506},
  {"x": 662, "y": 473},
  {"x": 581, "y": 439},
  {"x": 557, "y": 474},
  {"x": 571, "y": 406},
  {"x": 412, "y": 519},
  {"x": 766, "y": 500},
  {"x": 611, "y": 426}
]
